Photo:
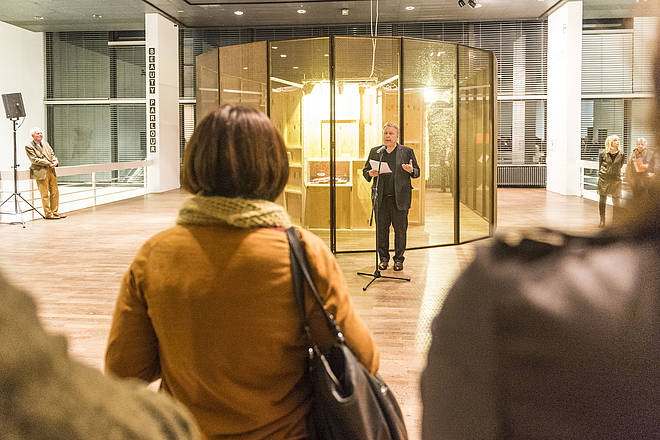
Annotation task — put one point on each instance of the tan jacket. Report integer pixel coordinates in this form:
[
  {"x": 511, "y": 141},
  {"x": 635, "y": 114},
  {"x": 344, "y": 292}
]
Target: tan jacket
[
  {"x": 40, "y": 159},
  {"x": 211, "y": 310}
]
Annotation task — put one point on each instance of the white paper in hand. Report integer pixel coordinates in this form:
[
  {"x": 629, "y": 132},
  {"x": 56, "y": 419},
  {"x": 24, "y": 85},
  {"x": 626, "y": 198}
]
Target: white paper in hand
[{"x": 384, "y": 167}]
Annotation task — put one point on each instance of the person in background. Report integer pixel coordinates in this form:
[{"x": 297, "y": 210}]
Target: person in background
[
  {"x": 640, "y": 170},
  {"x": 208, "y": 305},
  {"x": 610, "y": 162},
  {"x": 42, "y": 170},
  {"x": 44, "y": 394},
  {"x": 394, "y": 193},
  {"x": 552, "y": 337}
]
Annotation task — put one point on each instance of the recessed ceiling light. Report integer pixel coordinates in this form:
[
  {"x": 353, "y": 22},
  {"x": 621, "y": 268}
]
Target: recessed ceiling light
[
  {"x": 245, "y": 68},
  {"x": 238, "y": 12},
  {"x": 345, "y": 11},
  {"x": 283, "y": 55},
  {"x": 295, "y": 67},
  {"x": 38, "y": 17},
  {"x": 97, "y": 16},
  {"x": 410, "y": 8},
  {"x": 326, "y": 55},
  {"x": 273, "y": 47},
  {"x": 301, "y": 11},
  {"x": 179, "y": 11}
]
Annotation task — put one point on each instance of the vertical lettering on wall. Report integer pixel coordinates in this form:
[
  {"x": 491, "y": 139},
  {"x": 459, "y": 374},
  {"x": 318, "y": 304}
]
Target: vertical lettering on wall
[{"x": 151, "y": 98}]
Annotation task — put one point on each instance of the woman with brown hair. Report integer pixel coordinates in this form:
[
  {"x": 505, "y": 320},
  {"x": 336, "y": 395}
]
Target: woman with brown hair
[{"x": 208, "y": 305}]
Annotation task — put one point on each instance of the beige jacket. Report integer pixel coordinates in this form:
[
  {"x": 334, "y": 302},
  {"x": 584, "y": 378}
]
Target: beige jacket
[
  {"x": 211, "y": 311},
  {"x": 40, "y": 158}
]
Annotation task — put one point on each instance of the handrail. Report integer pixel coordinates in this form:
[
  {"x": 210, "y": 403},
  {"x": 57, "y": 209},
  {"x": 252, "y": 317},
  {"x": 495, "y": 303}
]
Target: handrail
[{"x": 72, "y": 170}]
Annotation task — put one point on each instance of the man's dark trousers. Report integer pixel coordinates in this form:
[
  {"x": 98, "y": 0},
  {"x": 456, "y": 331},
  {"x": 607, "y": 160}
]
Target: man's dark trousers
[{"x": 389, "y": 215}]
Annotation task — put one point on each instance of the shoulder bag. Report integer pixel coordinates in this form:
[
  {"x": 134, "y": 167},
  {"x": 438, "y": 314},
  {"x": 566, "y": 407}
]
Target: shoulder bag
[{"x": 348, "y": 403}]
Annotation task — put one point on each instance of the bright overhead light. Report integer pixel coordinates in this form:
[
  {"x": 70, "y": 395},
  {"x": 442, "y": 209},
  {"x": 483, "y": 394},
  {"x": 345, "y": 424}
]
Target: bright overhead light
[
  {"x": 345, "y": 11},
  {"x": 295, "y": 67},
  {"x": 245, "y": 68},
  {"x": 97, "y": 16},
  {"x": 273, "y": 47},
  {"x": 301, "y": 11},
  {"x": 283, "y": 55},
  {"x": 238, "y": 12},
  {"x": 38, "y": 17},
  {"x": 410, "y": 8},
  {"x": 326, "y": 55}
]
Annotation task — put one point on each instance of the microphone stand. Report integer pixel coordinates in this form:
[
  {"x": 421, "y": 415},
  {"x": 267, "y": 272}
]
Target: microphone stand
[
  {"x": 374, "y": 214},
  {"x": 16, "y": 195}
]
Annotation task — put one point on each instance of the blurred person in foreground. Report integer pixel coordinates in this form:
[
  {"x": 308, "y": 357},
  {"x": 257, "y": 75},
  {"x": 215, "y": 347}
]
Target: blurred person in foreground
[
  {"x": 552, "y": 338},
  {"x": 44, "y": 394},
  {"x": 208, "y": 305}
]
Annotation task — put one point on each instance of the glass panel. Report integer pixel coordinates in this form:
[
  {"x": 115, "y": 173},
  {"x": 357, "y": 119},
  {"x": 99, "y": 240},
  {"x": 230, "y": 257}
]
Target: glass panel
[
  {"x": 128, "y": 63},
  {"x": 475, "y": 143},
  {"x": 300, "y": 109},
  {"x": 429, "y": 80},
  {"x": 243, "y": 75},
  {"x": 207, "y": 83},
  {"x": 366, "y": 97}
]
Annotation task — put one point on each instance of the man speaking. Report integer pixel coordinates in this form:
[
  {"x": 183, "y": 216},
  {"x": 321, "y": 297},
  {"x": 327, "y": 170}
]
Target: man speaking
[{"x": 397, "y": 166}]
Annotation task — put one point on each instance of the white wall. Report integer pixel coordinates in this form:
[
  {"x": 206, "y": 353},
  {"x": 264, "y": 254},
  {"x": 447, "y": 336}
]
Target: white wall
[
  {"x": 163, "y": 36},
  {"x": 21, "y": 70},
  {"x": 564, "y": 98}
]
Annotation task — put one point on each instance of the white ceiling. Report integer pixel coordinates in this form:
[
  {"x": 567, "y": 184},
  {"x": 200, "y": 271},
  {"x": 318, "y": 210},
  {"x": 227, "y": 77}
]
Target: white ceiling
[{"x": 67, "y": 15}]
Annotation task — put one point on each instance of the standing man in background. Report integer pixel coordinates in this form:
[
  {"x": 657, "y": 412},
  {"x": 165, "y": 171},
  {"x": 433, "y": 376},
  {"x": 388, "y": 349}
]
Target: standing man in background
[
  {"x": 42, "y": 170},
  {"x": 394, "y": 193}
]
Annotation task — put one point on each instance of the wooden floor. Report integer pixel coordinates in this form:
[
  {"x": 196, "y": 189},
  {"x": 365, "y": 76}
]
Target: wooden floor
[{"x": 73, "y": 268}]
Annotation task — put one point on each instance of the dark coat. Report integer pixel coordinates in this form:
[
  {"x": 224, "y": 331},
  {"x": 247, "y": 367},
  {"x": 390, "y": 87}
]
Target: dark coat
[
  {"x": 609, "y": 174},
  {"x": 402, "y": 185},
  {"x": 538, "y": 341}
]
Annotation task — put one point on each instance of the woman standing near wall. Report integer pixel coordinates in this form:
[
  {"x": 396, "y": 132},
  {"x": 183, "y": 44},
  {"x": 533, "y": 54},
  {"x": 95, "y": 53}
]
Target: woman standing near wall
[{"x": 610, "y": 161}]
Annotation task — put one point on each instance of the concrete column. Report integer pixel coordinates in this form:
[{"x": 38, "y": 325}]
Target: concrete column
[
  {"x": 162, "y": 67},
  {"x": 564, "y": 98}
]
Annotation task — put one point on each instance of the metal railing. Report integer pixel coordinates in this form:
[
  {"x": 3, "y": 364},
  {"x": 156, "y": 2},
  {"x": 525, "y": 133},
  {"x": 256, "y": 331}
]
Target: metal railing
[{"x": 80, "y": 186}]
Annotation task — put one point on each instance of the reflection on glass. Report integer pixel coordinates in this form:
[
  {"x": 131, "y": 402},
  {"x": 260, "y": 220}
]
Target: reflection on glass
[
  {"x": 430, "y": 129},
  {"x": 243, "y": 76},
  {"x": 207, "y": 83},
  {"x": 475, "y": 143},
  {"x": 300, "y": 109}
]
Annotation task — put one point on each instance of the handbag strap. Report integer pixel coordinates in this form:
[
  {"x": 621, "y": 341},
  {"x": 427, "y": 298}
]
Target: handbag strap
[{"x": 300, "y": 272}]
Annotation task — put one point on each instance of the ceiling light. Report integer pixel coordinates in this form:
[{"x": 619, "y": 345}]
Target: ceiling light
[
  {"x": 283, "y": 55},
  {"x": 472, "y": 3},
  {"x": 301, "y": 11},
  {"x": 345, "y": 11},
  {"x": 326, "y": 55},
  {"x": 295, "y": 67},
  {"x": 180, "y": 11},
  {"x": 238, "y": 12},
  {"x": 478, "y": 5},
  {"x": 38, "y": 17},
  {"x": 461, "y": 3},
  {"x": 97, "y": 16},
  {"x": 410, "y": 8},
  {"x": 273, "y": 47},
  {"x": 245, "y": 68}
]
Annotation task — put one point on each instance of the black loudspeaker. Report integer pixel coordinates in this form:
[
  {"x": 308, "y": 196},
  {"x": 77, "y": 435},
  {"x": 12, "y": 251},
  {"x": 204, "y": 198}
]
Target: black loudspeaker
[{"x": 13, "y": 105}]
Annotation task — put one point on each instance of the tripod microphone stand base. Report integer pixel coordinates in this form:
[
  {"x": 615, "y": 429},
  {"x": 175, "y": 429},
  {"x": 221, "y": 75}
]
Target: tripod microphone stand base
[
  {"x": 17, "y": 208},
  {"x": 377, "y": 275}
]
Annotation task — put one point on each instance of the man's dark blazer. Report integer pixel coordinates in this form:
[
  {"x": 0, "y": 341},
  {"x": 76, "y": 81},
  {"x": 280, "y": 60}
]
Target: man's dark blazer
[{"x": 402, "y": 185}]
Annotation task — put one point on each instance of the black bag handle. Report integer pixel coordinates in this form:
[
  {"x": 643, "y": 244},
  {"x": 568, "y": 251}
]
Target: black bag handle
[{"x": 300, "y": 266}]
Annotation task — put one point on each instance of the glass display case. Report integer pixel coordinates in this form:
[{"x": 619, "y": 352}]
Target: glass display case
[{"x": 330, "y": 98}]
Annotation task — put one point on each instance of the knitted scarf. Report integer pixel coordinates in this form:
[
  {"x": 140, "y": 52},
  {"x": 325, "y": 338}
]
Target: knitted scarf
[{"x": 238, "y": 212}]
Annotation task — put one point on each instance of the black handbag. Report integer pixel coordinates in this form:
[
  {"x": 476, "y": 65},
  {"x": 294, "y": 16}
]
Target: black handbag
[{"x": 348, "y": 403}]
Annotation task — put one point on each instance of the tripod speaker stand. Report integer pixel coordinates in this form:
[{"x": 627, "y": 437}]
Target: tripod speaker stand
[
  {"x": 14, "y": 108},
  {"x": 374, "y": 213}
]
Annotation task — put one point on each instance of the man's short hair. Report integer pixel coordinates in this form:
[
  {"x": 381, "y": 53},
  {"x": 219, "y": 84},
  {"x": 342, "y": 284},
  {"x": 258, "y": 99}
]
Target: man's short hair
[
  {"x": 393, "y": 125},
  {"x": 34, "y": 130},
  {"x": 236, "y": 152}
]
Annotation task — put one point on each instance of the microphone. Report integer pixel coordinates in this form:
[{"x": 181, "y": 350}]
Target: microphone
[{"x": 381, "y": 149}]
